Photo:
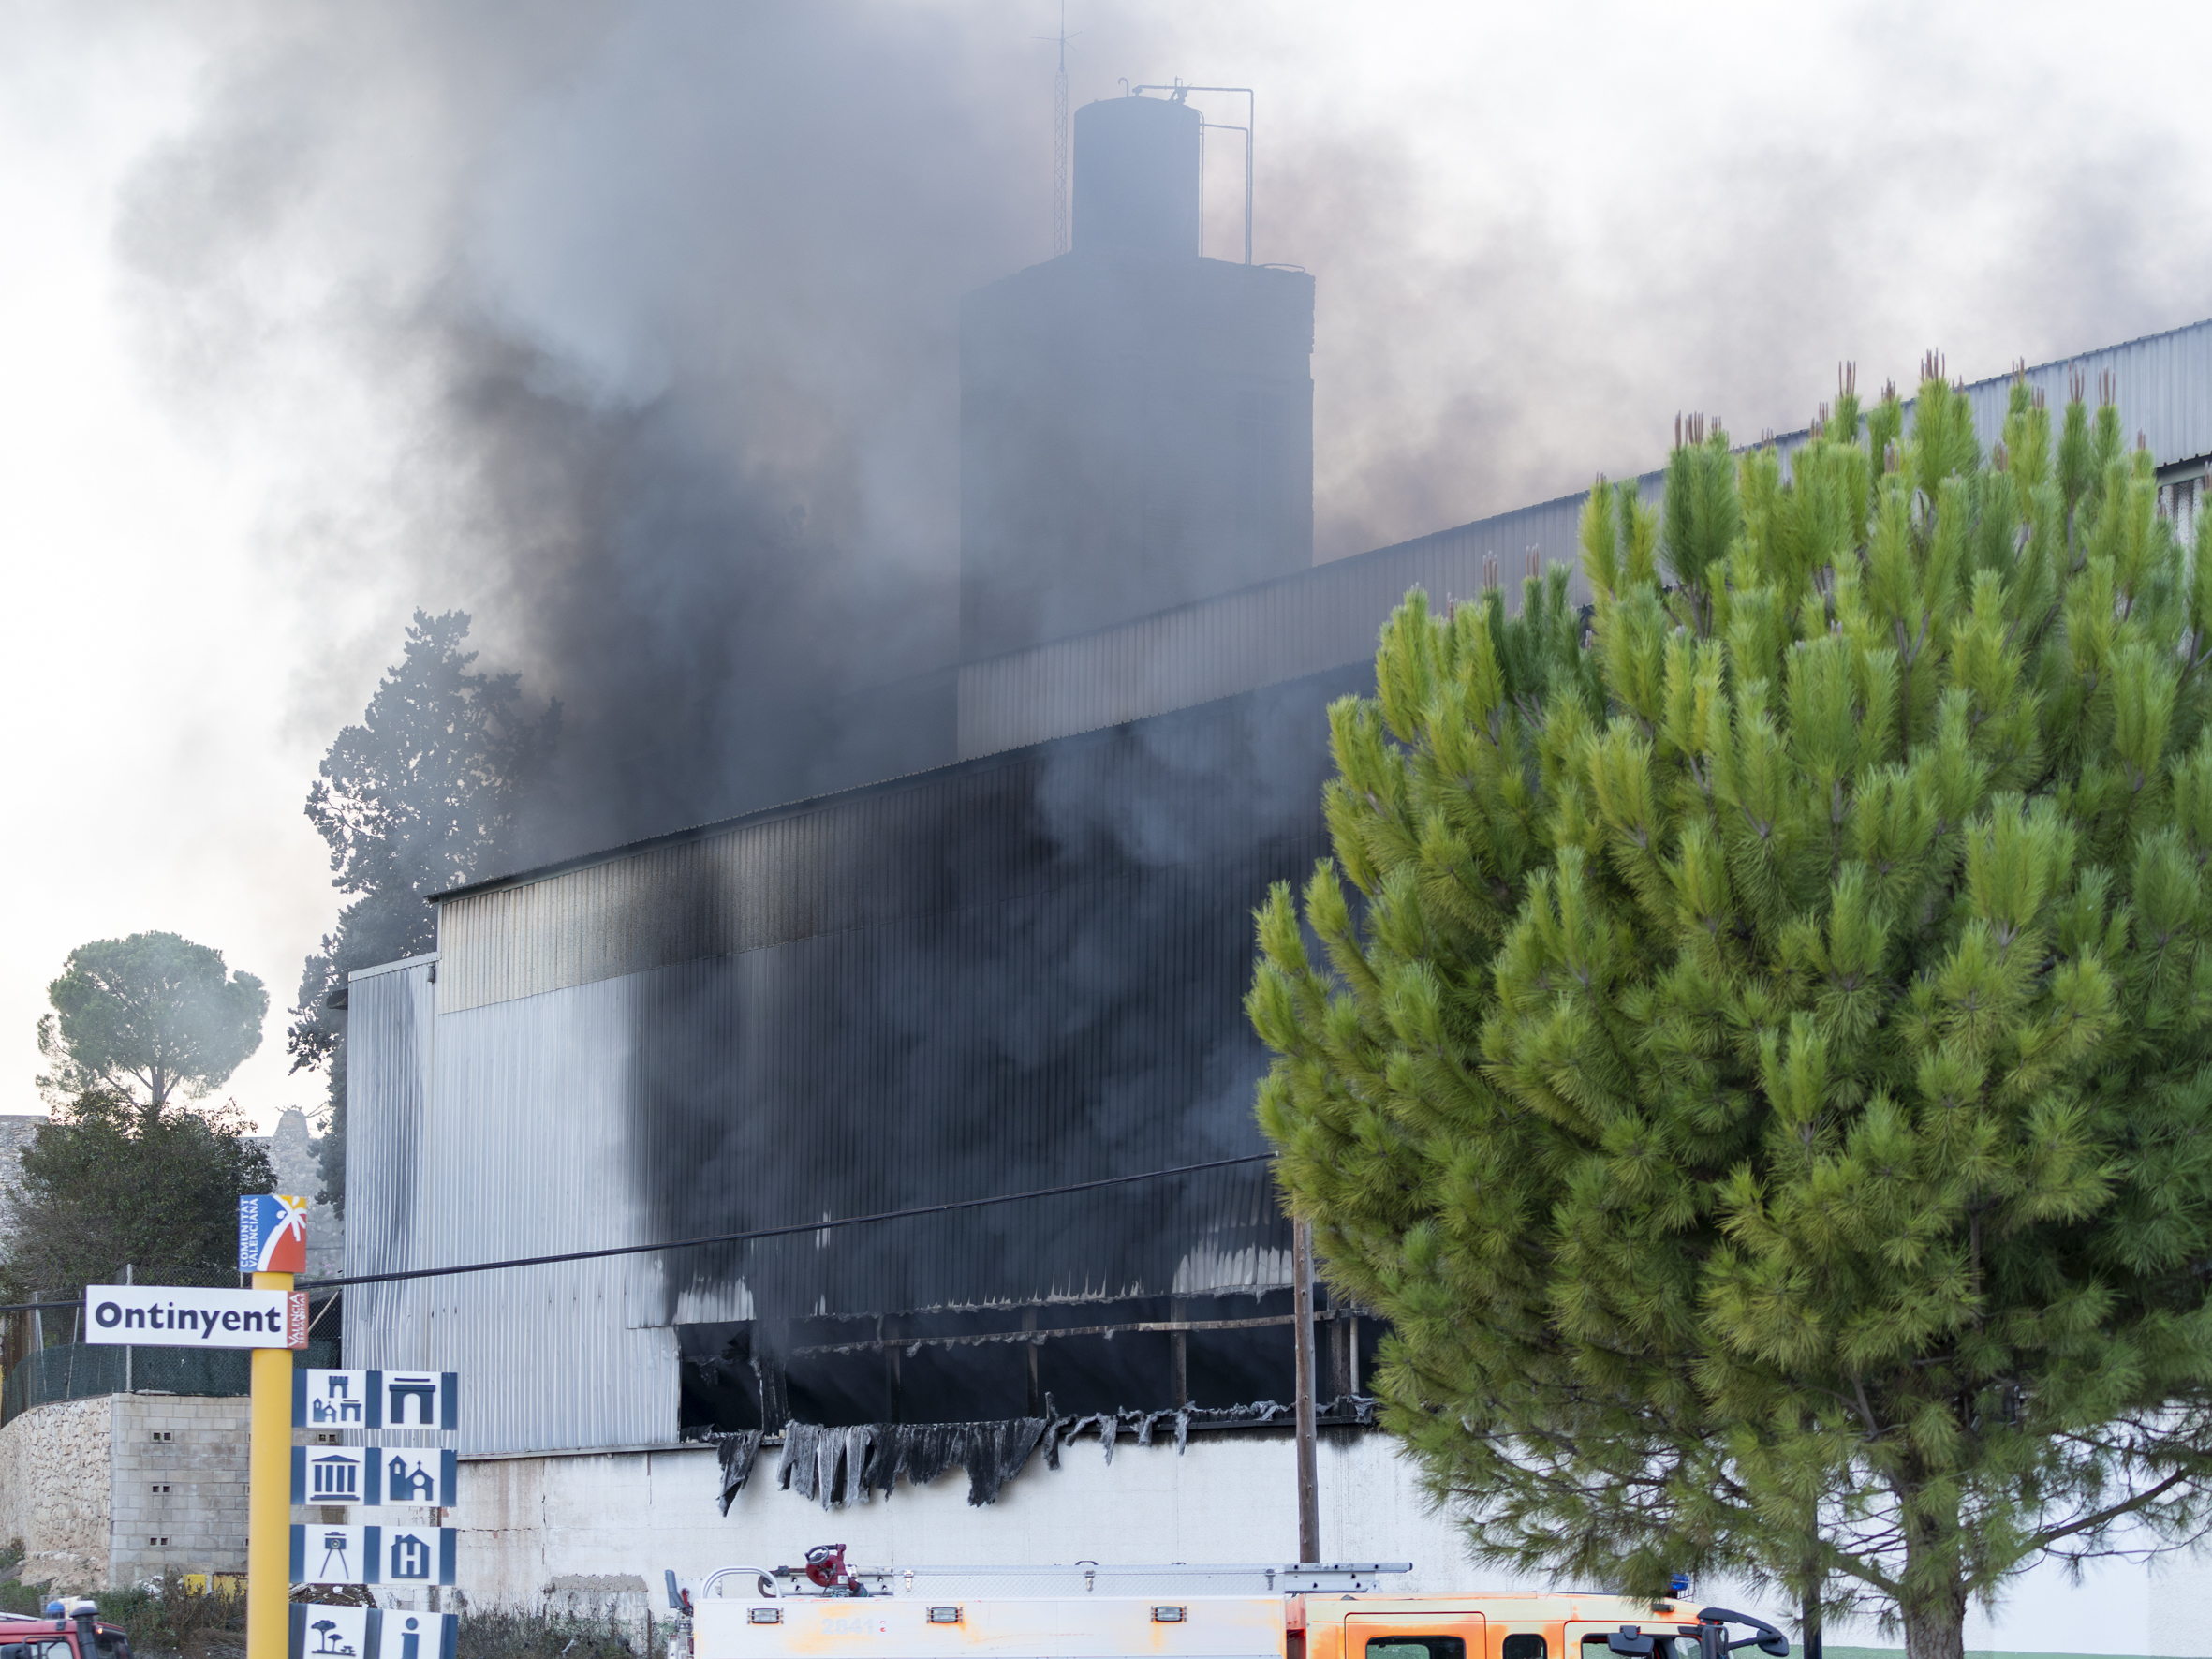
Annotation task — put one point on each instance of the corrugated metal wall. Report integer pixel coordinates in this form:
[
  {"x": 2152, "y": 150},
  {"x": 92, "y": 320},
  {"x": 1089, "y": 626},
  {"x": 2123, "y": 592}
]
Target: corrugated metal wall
[
  {"x": 1007, "y": 975},
  {"x": 1329, "y": 616},
  {"x": 1004, "y": 974},
  {"x": 1322, "y": 618},
  {"x": 462, "y": 1151}
]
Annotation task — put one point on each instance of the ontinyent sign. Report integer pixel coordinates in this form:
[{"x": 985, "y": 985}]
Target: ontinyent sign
[
  {"x": 182, "y": 1316},
  {"x": 271, "y": 1233}
]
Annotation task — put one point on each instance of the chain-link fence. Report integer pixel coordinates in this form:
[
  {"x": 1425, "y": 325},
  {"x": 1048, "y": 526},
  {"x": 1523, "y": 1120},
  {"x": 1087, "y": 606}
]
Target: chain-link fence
[
  {"x": 80, "y": 1370},
  {"x": 83, "y": 1370},
  {"x": 48, "y": 1359}
]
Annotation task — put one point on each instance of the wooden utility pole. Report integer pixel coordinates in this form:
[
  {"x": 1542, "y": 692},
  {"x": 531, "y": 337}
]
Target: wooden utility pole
[{"x": 1309, "y": 1496}]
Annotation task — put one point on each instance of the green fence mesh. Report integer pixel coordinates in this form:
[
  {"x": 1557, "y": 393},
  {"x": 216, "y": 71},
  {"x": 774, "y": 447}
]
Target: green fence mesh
[{"x": 80, "y": 1370}]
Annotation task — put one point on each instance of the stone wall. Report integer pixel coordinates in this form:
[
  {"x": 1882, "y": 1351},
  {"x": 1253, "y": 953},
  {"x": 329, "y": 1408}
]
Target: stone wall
[
  {"x": 121, "y": 1488},
  {"x": 17, "y": 1129},
  {"x": 55, "y": 1474},
  {"x": 295, "y": 1155}
]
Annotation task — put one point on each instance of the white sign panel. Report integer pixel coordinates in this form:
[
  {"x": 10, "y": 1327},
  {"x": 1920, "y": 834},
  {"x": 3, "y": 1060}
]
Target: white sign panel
[
  {"x": 376, "y": 1399},
  {"x": 333, "y": 1400},
  {"x": 334, "y": 1555},
  {"x": 333, "y": 1474},
  {"x": 374, "y": 1474},
  {"x": 415, "y": 1555},
  {"x": 417, "y": 1399},
  {"x": 371, "y": 1633},
  {"x": 385, "y": 1554},
  {"x": 175, "y": 1316},
  {"x": 334, "y": 1633}
]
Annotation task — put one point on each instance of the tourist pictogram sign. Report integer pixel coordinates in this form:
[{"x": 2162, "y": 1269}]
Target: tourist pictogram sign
[
  {"x": 394, "y": 1555},
  {"x": 371, "y": 1633},
  {"x": 370, "y": 1474},
  {"x": 376, "y": 1399}
]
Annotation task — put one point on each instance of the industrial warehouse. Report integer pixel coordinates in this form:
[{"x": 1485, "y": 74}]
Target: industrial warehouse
[{"x": 1012, "y": 963}]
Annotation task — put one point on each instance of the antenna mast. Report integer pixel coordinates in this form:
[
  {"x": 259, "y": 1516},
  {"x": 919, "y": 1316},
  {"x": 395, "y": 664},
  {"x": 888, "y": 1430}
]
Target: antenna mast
[{"x": 1060, "y": 238}]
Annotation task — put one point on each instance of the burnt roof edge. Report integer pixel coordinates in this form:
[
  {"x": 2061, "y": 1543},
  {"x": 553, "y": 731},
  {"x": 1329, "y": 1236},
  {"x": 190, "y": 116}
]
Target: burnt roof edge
[{"x": 997, "y": 760}]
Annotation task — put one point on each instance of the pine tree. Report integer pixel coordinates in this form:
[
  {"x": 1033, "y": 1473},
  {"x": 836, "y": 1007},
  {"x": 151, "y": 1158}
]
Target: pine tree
[
  {"x": 419, "y": 797},
  {"x": 1756, "y": 1055}
]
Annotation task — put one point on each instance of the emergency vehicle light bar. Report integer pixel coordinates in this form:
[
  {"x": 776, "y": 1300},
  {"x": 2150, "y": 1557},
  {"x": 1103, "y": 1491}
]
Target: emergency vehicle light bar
[{"x": 1083, "y": 1578}]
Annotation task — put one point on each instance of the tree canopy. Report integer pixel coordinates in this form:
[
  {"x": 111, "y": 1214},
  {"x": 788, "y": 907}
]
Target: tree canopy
[
  {"x": 112, "y": 1182},
  {"x": 147, "y": 1018},
  {"x": 419, "y": 797},
  {"x": 1757, "y": 1052}
]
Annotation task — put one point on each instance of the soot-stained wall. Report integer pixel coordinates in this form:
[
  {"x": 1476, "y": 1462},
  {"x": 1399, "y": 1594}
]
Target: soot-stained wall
[
  {"x": 1053, "y": 995},
  {"x": 1004, "y": 976}
]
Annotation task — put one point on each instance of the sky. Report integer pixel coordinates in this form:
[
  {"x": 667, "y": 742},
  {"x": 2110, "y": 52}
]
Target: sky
[{"x": 313, "y": 317}]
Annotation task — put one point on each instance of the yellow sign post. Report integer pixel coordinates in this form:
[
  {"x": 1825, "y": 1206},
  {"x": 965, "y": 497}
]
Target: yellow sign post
[
  {"x": 269, "y": 1502},
  {"x": 272, "y": 1246}
]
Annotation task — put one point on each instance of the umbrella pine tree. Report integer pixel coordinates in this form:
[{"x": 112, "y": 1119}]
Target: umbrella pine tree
[{"x": 1751, "y": 1039}]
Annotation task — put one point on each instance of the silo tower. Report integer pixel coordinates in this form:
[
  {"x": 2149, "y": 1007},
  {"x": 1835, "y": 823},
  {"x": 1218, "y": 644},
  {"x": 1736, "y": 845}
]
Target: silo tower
[{"x": 1136, "y": 419}]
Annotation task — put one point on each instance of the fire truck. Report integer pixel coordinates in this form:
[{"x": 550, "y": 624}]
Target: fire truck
[
  {"x": 828, "y": 1610},
  {"x": 71, "y": 1630}
]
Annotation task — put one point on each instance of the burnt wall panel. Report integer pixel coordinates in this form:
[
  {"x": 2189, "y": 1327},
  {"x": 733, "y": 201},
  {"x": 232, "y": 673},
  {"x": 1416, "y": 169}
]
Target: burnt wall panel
[
  {"x": 1066, "y": 1007},
  {"x": 1011, "y": 974}
]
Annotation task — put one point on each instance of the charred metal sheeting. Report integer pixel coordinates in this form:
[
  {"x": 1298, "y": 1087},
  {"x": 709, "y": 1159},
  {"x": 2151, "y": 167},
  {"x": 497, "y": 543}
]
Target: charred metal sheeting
[
  {"x": 737, "y": 1452},
  {"x": 835, "y": 1465},
  {"x": 912, "y": 1346},
  {"x": 841, "y": 1465},
  {"x": 994, "y": 978},
  {"x": 1352, "y": 1410}
]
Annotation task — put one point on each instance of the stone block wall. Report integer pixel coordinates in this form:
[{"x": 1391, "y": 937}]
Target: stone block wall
[
  {"x": 295, "y": 1155},
  {"x": 178, "y": 1479},
  {"x": 53, "y": 1490},
  {"x": 124, "y": 1487}
]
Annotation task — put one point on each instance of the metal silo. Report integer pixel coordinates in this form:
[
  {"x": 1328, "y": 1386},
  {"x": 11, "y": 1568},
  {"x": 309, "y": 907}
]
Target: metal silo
[{"x": 1137, "y": 177}]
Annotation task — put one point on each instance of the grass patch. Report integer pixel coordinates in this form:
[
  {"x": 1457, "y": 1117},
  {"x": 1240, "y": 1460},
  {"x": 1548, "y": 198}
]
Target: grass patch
[
  {"x": 175, "y": 1623},
  {"x": 176, "y": 1619},
  {"x": 542, "y": 1633}
]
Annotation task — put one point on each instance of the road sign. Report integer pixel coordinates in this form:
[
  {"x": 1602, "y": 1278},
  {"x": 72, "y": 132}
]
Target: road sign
[
  {"x": 176, "y": 1316},
  {"x": 376, "y": 1399},
  {"x": 371, "y": 1633},
  {"x": 385, "y": 1554},
  {"x": 271, "y": 1233},
  {"x": 420, "y": 1399},
  {"x": 374, "y": 1474}
]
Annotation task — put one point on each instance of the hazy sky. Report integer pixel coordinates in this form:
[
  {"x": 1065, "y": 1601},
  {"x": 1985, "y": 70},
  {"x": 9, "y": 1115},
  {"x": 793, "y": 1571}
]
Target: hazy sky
[{"x": 278, "y": 281}]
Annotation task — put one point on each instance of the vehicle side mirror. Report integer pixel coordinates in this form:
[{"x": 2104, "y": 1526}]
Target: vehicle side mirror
[
  {"x": 1769, "y": 1640},
  {"x": 1627, "y": 1639}
]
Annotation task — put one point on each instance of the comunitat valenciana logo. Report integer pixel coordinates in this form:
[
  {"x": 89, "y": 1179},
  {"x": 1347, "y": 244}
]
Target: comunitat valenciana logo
[{"x": 195, "y": 1322}]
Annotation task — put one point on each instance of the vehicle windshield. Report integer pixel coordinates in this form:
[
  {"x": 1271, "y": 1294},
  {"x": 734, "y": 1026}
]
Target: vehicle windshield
[
  {"x": 1415, "y": 1647},
  {"x": 1663, "y": 1646}
]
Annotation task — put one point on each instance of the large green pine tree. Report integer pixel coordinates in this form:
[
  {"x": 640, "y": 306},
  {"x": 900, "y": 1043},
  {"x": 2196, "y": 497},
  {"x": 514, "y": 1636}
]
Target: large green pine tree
[
  {"x": 1757, "y": 1057},
  {"x": 420, "y": 796}
]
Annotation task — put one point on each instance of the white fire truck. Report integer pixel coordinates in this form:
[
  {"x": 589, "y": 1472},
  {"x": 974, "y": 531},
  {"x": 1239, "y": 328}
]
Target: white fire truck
[{"x": 826, "y": 1610}]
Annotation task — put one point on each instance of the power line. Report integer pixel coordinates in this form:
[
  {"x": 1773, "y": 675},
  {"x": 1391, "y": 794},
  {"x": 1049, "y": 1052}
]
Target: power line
[
  {"x": 749, "y": 1233},
  {"x": 886, "y": 1215}
]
